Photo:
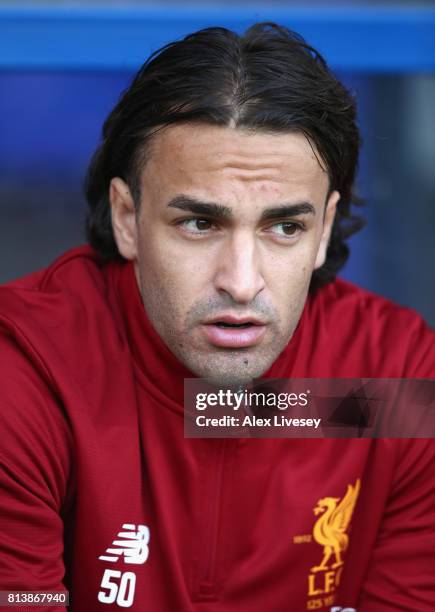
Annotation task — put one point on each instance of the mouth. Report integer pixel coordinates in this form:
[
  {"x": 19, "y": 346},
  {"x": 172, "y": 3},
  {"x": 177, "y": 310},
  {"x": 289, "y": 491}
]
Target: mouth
[
  {"x": 230, "y": 332},
  {"x": 224, "y": 325}
]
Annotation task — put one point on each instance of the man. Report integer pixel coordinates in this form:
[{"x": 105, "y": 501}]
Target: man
[{"x": 220, "y": 201}]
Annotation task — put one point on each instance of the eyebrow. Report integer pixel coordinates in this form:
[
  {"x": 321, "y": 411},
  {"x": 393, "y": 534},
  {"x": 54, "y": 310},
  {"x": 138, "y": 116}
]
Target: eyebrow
[
  {"x": 219, "y": 211},
  {"x": 288, "y": 210},
  {"x": 198, "y": 207}
]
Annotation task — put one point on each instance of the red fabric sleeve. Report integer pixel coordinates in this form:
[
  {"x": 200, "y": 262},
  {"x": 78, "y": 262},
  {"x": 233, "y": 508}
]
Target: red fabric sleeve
[
  {"x": 401, "y": 573},
  {"x": 35, "y": 446}
]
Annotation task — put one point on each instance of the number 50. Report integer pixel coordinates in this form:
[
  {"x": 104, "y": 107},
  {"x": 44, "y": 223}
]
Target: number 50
[{"x": 122, "y": 593}]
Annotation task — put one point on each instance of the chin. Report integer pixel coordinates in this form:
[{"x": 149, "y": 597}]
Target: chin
[{"x": 235, "y": 370}]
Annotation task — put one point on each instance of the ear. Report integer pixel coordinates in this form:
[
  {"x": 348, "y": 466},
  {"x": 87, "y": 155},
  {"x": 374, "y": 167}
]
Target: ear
[
  {"x": 328, "y": 222},
  {"x": 123, "y": 218}
]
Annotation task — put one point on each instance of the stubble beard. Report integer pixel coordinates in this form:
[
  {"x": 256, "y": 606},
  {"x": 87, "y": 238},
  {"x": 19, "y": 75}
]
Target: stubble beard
[
  {"x": 220, "y": 366},
  {"x": 228, "y": 367}
]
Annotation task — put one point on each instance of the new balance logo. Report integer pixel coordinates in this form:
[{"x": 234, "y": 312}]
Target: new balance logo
[{"x": 131, "y": 543}]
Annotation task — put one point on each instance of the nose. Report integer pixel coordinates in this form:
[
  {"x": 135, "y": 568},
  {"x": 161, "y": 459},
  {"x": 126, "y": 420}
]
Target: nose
[{"x": 238, "y": 272}]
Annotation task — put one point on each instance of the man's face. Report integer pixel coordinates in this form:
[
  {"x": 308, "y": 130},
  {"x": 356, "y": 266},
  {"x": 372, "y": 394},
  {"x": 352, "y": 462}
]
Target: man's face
[{"x": 231, "y": 225}]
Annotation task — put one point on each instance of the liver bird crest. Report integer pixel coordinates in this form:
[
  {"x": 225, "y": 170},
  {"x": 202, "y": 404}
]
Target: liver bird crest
[{"x": 330, "y": 529}]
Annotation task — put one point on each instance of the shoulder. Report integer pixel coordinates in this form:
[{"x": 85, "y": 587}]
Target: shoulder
[
  {"x": 38, "y": 320},
  {"x": 57, "y": 329},
  {"x": 347, "y": 297},
  {"x": 64, "y": 318},
  {"x": 73, "y": 269},
  {"x": 352, "y": 304},
  {"x": 362, "y": 326}
]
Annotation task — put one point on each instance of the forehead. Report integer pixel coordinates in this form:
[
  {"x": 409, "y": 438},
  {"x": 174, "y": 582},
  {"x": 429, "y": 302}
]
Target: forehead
[{"x": 199, "y": 155}]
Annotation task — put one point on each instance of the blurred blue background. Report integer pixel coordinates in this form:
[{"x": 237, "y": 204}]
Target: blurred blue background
[{"x": 63, "y": 66}]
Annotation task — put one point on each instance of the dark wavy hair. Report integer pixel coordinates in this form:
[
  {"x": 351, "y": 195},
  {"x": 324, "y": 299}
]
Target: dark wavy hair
[{"x": 269, "y": 79}]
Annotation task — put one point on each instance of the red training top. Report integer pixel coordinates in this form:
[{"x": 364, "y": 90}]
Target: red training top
[{"x": 101, "y": 493}]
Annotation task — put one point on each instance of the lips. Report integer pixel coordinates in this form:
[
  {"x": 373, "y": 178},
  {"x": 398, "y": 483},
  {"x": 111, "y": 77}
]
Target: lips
[{"x": 229, "y": 331}]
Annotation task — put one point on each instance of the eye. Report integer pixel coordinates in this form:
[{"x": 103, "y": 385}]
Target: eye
[
  {"x": 286, "y": 229},
  {"x": 196, "y": 226}
]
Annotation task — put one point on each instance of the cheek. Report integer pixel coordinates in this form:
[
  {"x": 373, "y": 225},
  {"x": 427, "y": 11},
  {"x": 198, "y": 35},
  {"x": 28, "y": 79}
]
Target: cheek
[
  {"x": 289, "y": 291},
  {"x": 290, "y": 267},
  {"x": 172, "y": 274},
  {"x": 288, "y": 278}
]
